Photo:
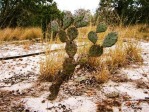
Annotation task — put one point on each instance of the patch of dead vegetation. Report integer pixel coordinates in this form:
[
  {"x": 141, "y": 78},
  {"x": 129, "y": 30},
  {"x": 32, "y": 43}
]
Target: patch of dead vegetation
[
  {"x": 106, "y": 105},
  {"x": 142, "y": 84},
  {"x": 9, "y": 102}
]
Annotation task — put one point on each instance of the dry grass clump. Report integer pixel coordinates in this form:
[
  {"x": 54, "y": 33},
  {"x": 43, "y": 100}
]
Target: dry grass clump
[
  {"x": 144, "y": 28},
  {"x": 133, "y": 52},
  {"x": 84, "y": 31},
  {"x": 121, "y": 55},
  {"x": 9, "y": 34},
  {"x": 31, "y": 33},
  {"x": 117, "y": 58},
  {"x": 95, "y": 61},
  {"x": 51, "y": 65},
  {"x": 103, "y": 74},
  {"x": 139, "y": 31}
]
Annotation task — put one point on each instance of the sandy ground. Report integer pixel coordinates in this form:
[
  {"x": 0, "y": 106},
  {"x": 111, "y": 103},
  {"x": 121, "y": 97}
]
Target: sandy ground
[{"x": 20, "y": 89}]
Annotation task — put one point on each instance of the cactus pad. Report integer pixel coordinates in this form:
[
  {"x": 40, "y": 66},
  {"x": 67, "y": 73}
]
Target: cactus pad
[
  {"x": 62, "y": 36},
  {"x": 72, "y": 33},
  {"x": 110, "y": 39},
  {"x": 95, "y": 51},
  {"x": 80, "y": 24},
  {"x": 78, "y": 17},
  {"x": 67, "y": 20},
  {"x": 69, "y": 66},
  {"x": 102, "y": 27},
  {"x": 54, "y": 26},
  {"x": 92, "y": 36},
  {"x": 71, "y": 48}
]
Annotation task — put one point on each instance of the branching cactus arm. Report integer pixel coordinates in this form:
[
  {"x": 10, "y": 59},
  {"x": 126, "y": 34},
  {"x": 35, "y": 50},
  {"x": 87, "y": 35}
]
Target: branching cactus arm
[{"x": 97, "y": 50}]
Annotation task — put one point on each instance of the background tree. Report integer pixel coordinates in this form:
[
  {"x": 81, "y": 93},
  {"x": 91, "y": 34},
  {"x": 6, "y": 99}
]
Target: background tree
[
  {"x": 127, "y": 11},
  {"x": 24, "y": 13},
  {"x": 143, "y": 11}
]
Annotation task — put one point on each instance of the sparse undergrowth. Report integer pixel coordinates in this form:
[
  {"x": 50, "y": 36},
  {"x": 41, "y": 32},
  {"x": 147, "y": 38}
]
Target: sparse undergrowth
[{"x": 123, "y": 54}]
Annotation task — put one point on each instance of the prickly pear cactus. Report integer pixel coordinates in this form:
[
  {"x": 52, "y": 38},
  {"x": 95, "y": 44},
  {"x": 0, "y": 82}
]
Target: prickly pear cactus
[
  {"x": 102, "y": 27},
  {"x": 67, "y": 20},
  {"x": 95, "y": 51},
  {"x": 71, "y": 48},
  {"x": 63, "y": 36},
  {"x": 110, "y": 39},
  {"x": 92, "y": 36},
  {"x": 78, "y": 16},
  {"x": 72, "y": 33}
]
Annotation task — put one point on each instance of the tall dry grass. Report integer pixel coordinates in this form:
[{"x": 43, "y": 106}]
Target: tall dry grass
[
  {"x": 103, "y": 74},
  {"x": 9, "y": 34},
  {"x": 138, "y": 31},
  {"x": 51, "y": 65},
  {"x": 121, "y": 55}
]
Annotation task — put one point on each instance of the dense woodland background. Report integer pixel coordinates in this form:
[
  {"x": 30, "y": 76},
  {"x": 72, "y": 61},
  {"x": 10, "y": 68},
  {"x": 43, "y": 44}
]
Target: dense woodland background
[{"x": 32, "y": 13}]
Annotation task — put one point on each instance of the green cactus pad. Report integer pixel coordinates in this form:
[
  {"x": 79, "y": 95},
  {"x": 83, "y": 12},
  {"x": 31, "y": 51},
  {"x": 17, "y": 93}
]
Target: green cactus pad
[
  {"x": 80, "y": 24},
  {"x": 95, "y": 51},
  {"x": 69, "y": 66},
  {"x": 62, "y": 36},
  {"x": 102, "y": 27},
  {"x": 54, "y": 26},
  {"x": 67, "y": 20},
  {"x": 72, "y": 33},
  {"x": 78, "y": 18},
  {"x": 79, "y": 15},
  {"x": 71, "y": 48},
  {"x": 110, "y": 39},
  {"x": 92, "y": 36}
]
